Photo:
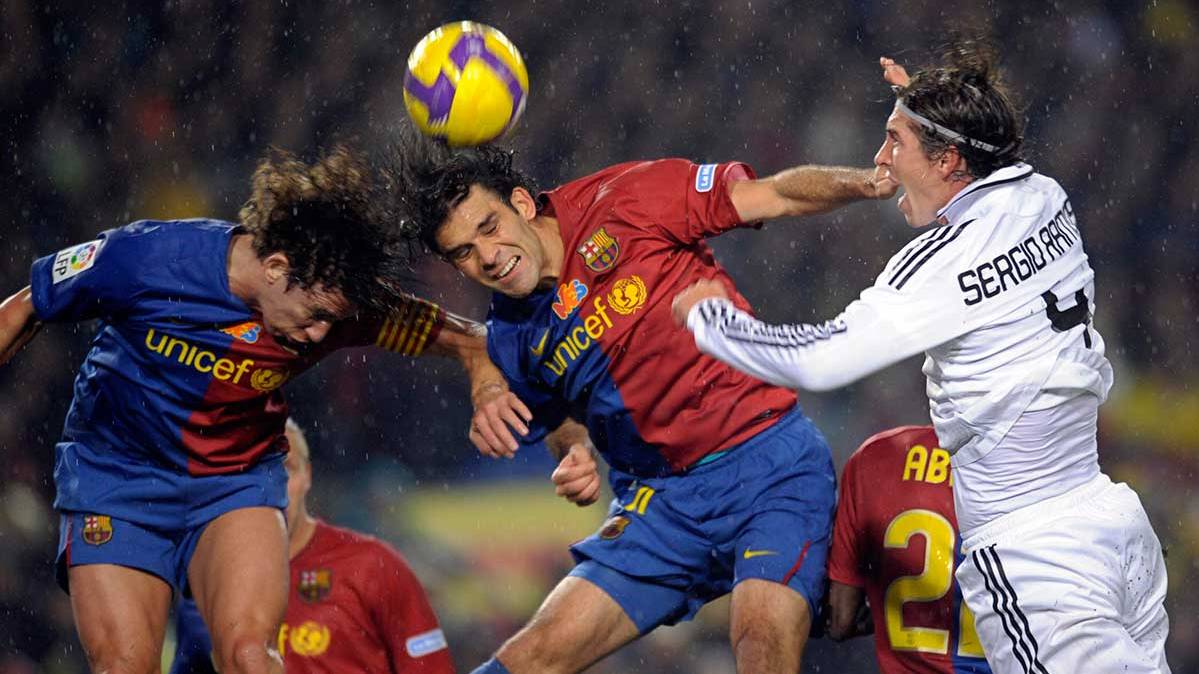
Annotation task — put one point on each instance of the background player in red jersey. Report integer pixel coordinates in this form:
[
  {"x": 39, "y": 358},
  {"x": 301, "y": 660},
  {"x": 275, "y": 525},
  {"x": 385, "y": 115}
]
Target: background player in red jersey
[
  {"x": 354, "y": 604},
  {"x": 895, "y": 541},
  {"x": 169, "y": 471},
  {"x": 722, "y": 484}
]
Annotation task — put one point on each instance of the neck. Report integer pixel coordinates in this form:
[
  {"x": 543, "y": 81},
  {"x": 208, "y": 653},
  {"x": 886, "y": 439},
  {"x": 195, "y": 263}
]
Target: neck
[
  {"x": 551, "y": 240},
  {"x": 300, "y": 534},
  {"x": 242, "y": 260}
]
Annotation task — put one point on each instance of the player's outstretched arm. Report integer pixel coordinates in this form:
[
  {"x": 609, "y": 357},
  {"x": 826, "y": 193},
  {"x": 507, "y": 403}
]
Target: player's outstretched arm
[
  {"x": 498, "y": 412},
  {"x": 808, "y": 190},
  {"x": 18, "y": 323}
]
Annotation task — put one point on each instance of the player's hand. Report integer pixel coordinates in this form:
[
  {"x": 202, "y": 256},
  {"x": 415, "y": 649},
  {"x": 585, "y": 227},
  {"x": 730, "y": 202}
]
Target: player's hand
[
  {"x": 893, "y": 73},
  {"x": 697, "y": 291},
  {"x": 885, "y": 185},
  {"x": 577, "y": 478},
  {"x": 498, "y": 412}
]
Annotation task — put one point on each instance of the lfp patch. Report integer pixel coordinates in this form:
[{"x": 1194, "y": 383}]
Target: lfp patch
[
  {"x": 425, "y": 643},
  {"x": 600, "y": 251},
  {"x": 705, "y": 178},
  {"x": 75, "y": 260}
]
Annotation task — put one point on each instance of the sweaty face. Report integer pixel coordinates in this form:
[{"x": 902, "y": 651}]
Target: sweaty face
[
  {"x": 902, "y": 155},
  {"x": 301, "y": 315},
  {"x": 493, "y": 242}
]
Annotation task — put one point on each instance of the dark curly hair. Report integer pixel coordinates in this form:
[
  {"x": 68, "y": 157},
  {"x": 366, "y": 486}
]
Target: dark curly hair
[
  {"x": 429, "y": 179},
  {"x": 966, "y": 94},
  {"x": 332, "y": 221}
]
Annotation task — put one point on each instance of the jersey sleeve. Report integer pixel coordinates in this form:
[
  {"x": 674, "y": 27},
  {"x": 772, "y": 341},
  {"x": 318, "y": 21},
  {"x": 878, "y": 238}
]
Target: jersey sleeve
[
  {"x": 90, "y": 280},
  {"x": 408, "y": 331},
  {"x": 193, "y": 646},
  {"x": 686, "y": 201},
  {"x": 911, "y": 308},
  {"x": 846, "y": 563},
  {"x": 405, "y": 619}
]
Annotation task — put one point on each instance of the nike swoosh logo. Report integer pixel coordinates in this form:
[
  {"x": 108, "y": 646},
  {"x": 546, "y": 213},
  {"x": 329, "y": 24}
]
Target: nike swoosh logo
[
  {"x": 750, "y": 554},
  {"x": 540, "y": 348}
]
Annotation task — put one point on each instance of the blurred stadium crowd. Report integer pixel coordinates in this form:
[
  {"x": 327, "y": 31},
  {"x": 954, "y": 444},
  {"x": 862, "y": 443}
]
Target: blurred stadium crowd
[{"x": 109, "y": 114}]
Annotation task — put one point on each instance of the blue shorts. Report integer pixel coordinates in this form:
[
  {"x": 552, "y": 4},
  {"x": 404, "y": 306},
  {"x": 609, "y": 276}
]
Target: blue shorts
[
  {"x": 764, "y": 510},
  {"x": 145, "y": 515}
]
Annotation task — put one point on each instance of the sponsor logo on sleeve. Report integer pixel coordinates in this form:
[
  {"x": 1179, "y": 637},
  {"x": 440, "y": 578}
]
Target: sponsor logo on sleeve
[
  {"x": 705, "y": 178},
  {"x": 600, "y": 251},
  {"x": 75, "y": 260},
  {"x": 425, "y": 643}
]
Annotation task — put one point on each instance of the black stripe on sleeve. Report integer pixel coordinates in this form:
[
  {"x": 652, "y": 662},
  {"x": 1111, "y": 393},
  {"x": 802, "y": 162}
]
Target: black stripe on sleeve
[{"x": 957, "y": 232}]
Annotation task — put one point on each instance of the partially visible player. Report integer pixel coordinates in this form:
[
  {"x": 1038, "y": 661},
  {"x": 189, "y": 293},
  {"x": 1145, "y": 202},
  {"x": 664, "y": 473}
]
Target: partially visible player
[
  {"x": 169, "y": 473},
  {"x": 998, "y": 293},
  {"x": 721, "y": 483},
  {"x": 354, "y": 604},
  {"x": 895, "y": 542}
]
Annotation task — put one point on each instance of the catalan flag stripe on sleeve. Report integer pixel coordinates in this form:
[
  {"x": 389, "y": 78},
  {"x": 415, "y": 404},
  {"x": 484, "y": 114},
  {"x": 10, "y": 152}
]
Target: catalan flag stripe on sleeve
[{"x": 411, "y": 328}]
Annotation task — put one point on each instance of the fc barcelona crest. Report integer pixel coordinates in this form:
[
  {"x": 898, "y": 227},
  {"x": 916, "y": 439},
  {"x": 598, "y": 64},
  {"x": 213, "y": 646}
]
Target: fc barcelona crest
[
  {"x": 600, "y": 251},
  {"x": 614, "y": 527},
  {"x": 97, "y": 529},
  {"x": 315, "y": 584}
]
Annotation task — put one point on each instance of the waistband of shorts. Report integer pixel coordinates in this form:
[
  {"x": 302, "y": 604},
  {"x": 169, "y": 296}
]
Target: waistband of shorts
[
  {"x": 787, "y": 416},
  {"x": 1035, "y": 514}
]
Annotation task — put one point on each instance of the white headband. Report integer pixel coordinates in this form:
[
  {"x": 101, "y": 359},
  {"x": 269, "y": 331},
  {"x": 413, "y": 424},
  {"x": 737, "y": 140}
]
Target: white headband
[{"x": 944, "y": 131}]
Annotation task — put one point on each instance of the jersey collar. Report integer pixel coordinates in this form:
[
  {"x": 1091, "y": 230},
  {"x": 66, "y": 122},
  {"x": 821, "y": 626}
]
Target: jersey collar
[{"x": 962, "y": 200}]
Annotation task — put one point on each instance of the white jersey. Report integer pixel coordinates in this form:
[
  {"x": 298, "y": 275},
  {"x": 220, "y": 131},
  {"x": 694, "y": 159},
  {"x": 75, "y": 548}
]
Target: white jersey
[{"x": 999, "y": 296}]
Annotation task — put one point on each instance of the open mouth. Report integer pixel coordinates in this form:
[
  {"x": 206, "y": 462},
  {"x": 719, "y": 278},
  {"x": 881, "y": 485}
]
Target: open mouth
[{"x": 512, "y": 262}]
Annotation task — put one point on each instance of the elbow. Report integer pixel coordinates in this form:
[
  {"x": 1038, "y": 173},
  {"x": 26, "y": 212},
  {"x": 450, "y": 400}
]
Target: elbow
[{"x": 821, "y": 379}]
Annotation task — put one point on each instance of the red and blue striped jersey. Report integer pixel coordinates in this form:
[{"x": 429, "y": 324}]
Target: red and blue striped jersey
[
  {"x": 180, "y": 371},
  {"x": 602, "y": 347}
]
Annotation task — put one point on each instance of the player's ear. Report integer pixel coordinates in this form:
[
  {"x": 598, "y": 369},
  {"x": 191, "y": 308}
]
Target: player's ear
[
  {"x": 951, "y": 163},
  {"x": 523, "y": 203},
  {"x": 276, "y": 266}
]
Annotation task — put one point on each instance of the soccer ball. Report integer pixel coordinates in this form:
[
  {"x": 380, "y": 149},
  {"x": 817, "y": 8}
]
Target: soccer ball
[{"x": 466, "y": 83}]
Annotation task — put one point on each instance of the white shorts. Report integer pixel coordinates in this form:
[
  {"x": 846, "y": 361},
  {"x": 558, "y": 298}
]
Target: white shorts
[{"x": 1075, "y": 583}]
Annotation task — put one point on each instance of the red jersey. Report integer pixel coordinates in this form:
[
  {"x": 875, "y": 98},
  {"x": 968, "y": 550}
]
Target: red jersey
[
  {"x": 355, "y": 606},
  {"x": 896, "y": 537},
  {"x": 603, "y": 341}
]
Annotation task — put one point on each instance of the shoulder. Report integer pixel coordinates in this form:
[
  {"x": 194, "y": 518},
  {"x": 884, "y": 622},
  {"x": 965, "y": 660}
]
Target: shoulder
[
  {"x": 890, "y": 443},
  {"x": 364, "y": 548}
]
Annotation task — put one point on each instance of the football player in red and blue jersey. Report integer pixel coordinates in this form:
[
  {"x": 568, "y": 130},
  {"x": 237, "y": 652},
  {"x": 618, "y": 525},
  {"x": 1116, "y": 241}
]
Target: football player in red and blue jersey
[
  {"x": 896, "y": 542},
  {"x": 721, "y": 483},
  {"x": 169, "y": 473},
  {"x": 354, "y": 605}
]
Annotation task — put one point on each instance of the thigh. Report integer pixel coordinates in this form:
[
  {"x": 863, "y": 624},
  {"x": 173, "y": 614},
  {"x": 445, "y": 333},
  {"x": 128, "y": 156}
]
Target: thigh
[
  {"x": 577, "y": 624},
  {"x": 238, "y": 574},
  {"x": 1040, "y": 606},
  {"x": 121, "y": 615},
  {"x": 769, "y": 626}
]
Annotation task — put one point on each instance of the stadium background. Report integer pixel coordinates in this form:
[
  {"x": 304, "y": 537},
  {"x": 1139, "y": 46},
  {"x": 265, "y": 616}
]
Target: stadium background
[{"x": 114, "y": 113}]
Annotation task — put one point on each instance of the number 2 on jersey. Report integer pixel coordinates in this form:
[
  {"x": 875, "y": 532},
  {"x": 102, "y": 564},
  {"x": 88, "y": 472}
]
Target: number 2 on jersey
[{"x": 931, "y": 585}]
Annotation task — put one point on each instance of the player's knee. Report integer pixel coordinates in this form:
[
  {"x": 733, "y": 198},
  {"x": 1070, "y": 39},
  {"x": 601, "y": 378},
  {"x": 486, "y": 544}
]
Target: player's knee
[
  {"x": 120, "y": 659},
  {"x": 248, "y": 653}
]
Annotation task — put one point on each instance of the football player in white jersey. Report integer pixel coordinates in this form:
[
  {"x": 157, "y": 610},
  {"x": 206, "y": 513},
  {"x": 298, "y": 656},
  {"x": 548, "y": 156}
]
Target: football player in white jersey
[{"x": 1065, "y": 573}]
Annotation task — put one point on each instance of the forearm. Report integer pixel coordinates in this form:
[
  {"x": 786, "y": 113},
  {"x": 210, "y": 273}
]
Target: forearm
[
  {"x": 807, "y": 190},
  {"x": 18, "y": 323},
  {"x": 845, "y": 605},
  {"x": 802, "y": 356}
]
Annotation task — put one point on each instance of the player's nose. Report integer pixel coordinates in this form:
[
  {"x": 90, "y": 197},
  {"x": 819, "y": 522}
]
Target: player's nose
[
  {"x": 883, "y": 156},
  {"x": 317, "y": 331}
]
